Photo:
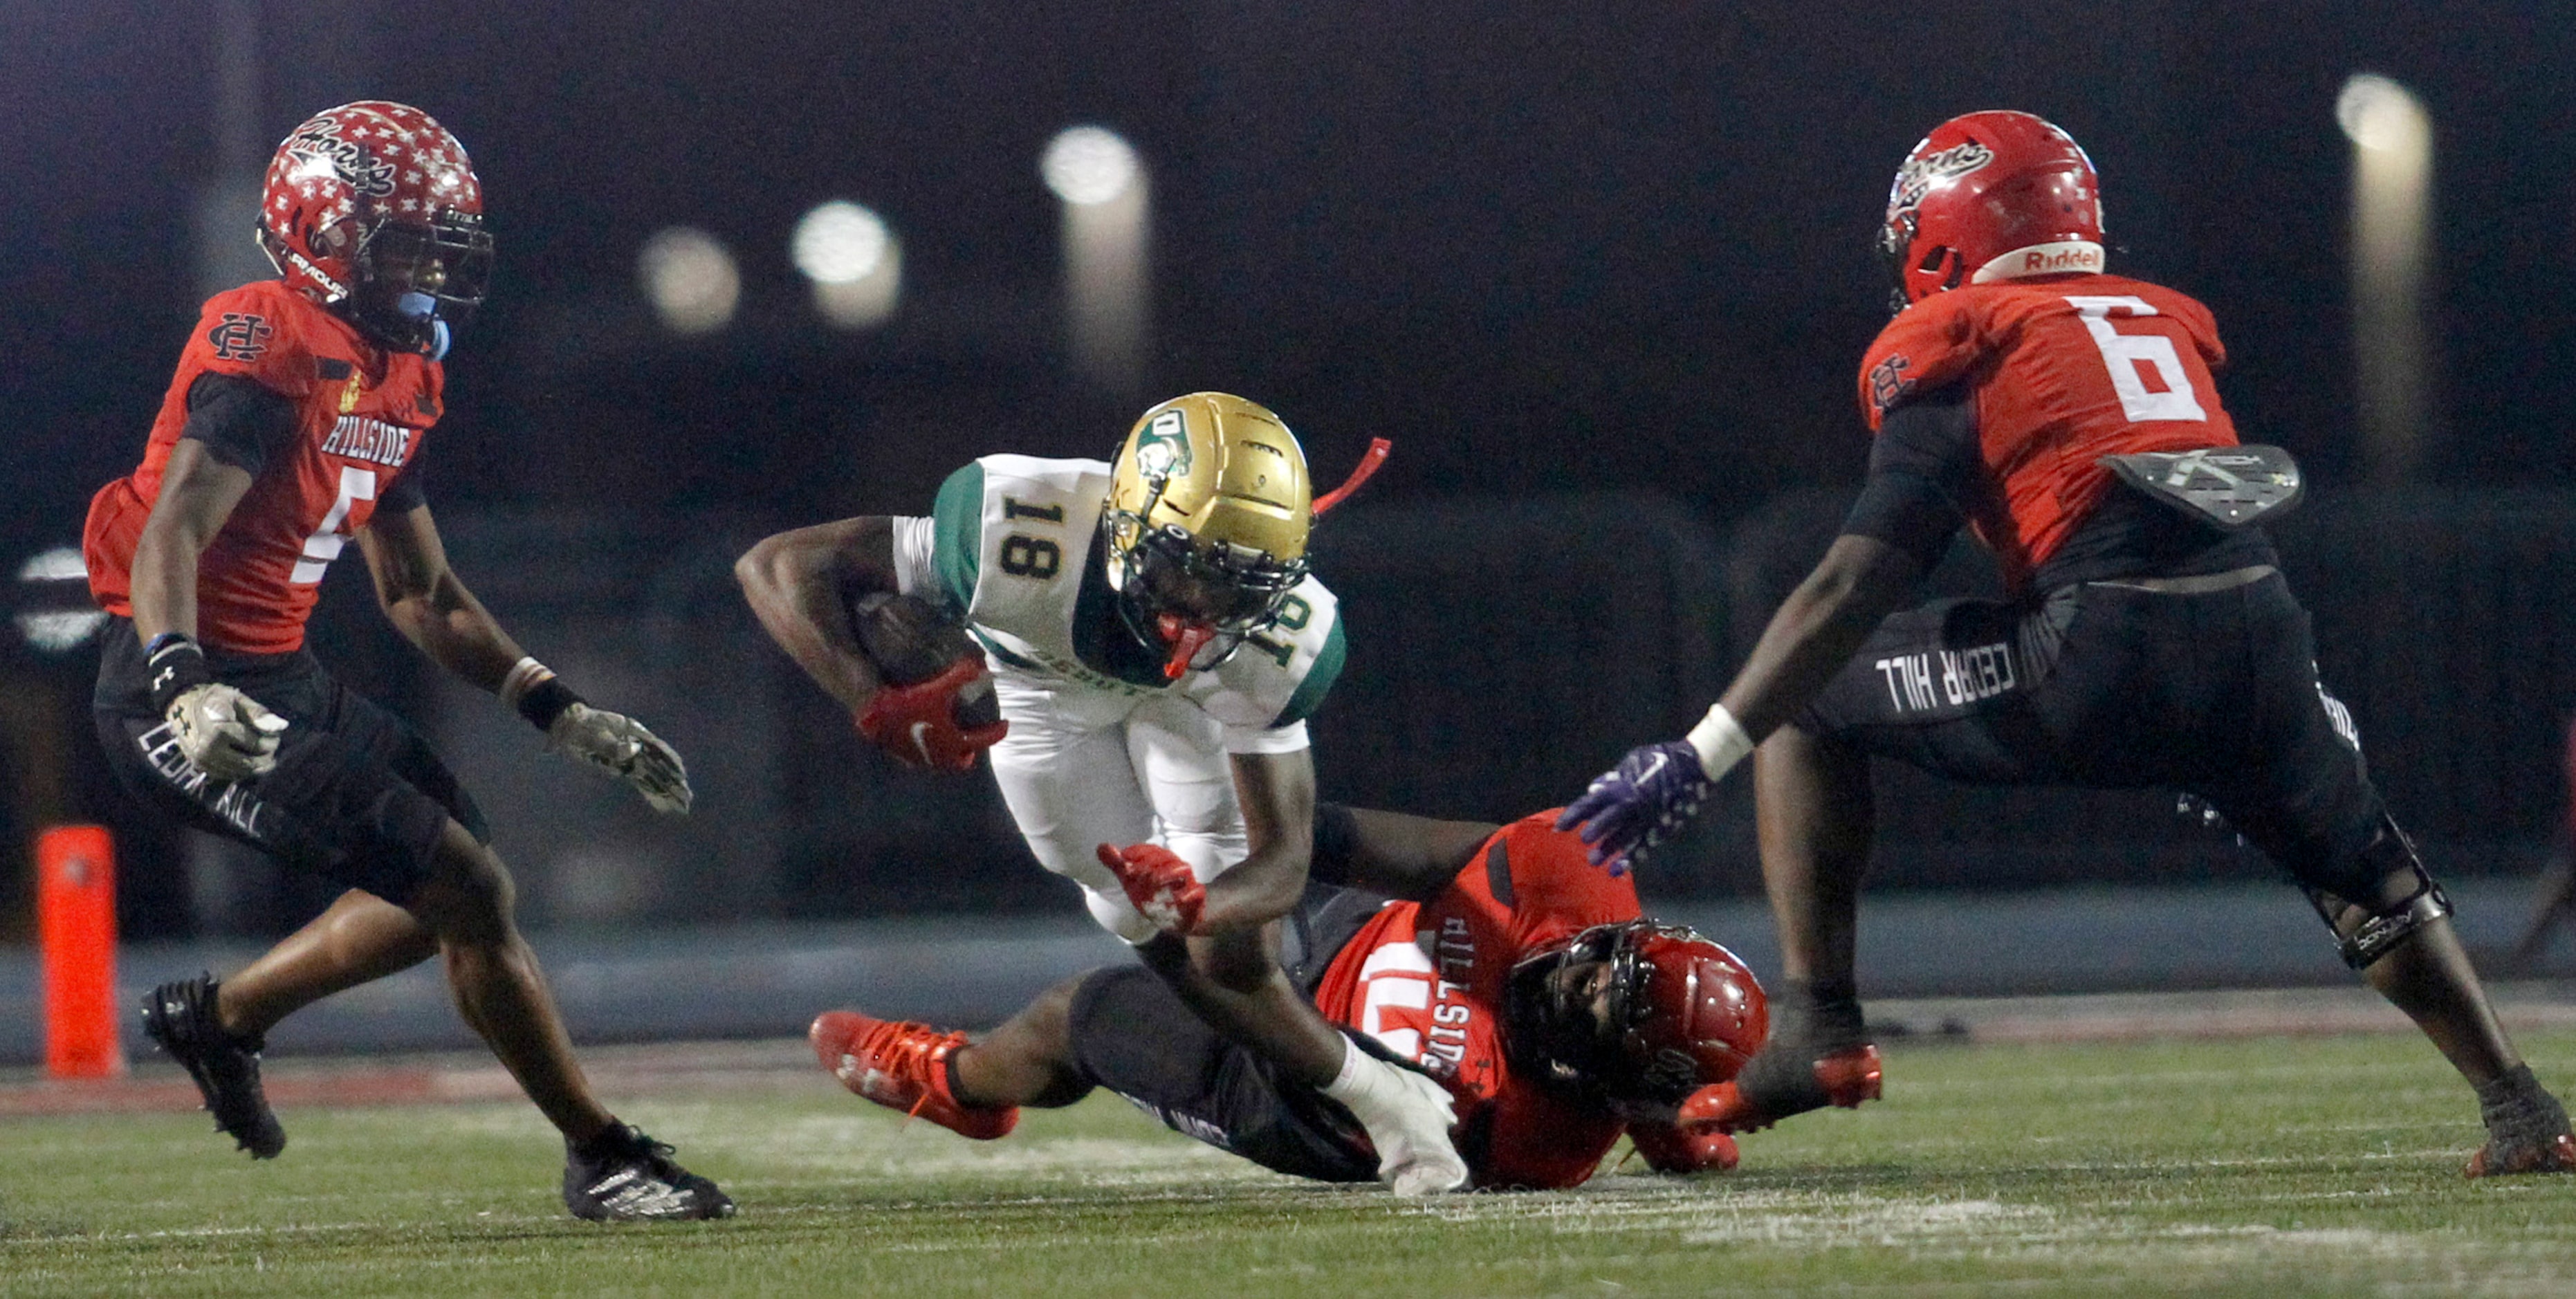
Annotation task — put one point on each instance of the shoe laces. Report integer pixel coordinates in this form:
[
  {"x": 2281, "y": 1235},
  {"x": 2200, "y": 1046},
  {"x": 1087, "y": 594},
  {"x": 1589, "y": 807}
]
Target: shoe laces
[{"x": 907, "y": 1051}]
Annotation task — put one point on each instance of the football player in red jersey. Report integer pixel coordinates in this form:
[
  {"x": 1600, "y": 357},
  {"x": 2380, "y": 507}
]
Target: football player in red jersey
[
  {"x": 2068, "y": 417},
  {"x": 293, "y": 423},
  {"x": 1494, "y": 957}
]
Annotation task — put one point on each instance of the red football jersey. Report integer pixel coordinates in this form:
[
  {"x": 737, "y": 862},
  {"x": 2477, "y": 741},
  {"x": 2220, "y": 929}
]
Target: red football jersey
[
  {"x": 362, "y": 411},
  {"x": 1426, "y": 979},
  {"x": 2066, "y": 370}
]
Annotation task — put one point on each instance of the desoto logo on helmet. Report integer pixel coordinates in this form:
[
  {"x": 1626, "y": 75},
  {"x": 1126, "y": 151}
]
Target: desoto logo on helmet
[
  {"x": 1163, "y": 449},
  {"x": 1918, "y": 174}
]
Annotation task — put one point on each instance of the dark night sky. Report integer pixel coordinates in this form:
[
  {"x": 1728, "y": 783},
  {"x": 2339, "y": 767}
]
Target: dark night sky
[{"x": 1542, "y": 249}]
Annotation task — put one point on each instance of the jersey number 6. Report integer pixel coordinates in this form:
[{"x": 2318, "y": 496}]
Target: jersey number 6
[{"x": 2124, "y": 354}]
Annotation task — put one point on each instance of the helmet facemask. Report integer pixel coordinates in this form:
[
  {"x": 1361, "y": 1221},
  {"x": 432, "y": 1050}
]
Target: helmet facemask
[
  {"x": 1637, "y": 1013},
  {"x": 1194, "y": 601},
  {"x": 417, "y": 283}
]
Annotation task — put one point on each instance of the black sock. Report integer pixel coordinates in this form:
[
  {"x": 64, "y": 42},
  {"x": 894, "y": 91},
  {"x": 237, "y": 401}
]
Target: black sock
[{"x": 2516, "y": 1107}]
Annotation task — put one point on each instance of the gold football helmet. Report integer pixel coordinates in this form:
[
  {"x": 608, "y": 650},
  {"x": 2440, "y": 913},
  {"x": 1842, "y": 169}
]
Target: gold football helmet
[{"x": 1205, "y": 529}]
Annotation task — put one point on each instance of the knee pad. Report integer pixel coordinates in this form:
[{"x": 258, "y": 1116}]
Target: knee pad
[{"x": 2385, "y": 928}]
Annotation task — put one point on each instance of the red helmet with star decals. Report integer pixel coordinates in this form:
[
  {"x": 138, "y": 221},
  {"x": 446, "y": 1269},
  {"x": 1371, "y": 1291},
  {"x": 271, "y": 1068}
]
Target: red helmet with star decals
[
  {"x": 373, "y": 210},
  {"x": 1991, "y": 196}
]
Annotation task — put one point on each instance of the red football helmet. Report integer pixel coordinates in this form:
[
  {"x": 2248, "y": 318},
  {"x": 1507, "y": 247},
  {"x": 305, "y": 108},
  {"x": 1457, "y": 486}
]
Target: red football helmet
[
  {"x": 1635, "y": 1011},
  {"x": 1991, "y": 196},
  {"x": 372, "y": 209}
]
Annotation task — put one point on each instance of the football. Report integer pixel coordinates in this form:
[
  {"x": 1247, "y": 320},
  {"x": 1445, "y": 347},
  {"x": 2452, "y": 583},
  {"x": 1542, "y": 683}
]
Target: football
[{"x": 911, "y": 640}]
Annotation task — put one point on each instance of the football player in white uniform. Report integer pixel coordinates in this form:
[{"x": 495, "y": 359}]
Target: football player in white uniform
[{"x": 1157, "y": 644}]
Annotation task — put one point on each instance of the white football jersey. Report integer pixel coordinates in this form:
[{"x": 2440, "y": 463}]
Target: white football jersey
[{"x": 1012, "y": 543}]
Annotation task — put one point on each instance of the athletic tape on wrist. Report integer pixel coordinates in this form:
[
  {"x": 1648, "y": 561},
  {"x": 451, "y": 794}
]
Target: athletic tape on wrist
[{"x": 1720, "y": 741}]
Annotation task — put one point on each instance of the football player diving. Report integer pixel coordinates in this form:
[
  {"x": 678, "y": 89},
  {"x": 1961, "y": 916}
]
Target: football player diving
[
  {"x": 2066, "y": 416},
  {"x": 1157, "y": 644},
  {"x": 294, "y": 424},
  {"x": 1496, "y": 957}
]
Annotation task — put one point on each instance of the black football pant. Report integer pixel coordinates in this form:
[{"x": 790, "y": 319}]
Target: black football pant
[{"x": 2112, "y": 685}]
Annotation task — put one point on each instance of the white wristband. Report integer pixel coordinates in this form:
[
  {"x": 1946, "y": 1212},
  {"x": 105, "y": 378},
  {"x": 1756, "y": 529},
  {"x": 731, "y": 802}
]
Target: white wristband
[
  {"x": 1720, "y": 741},
  {"x": 525, "y": 675}
]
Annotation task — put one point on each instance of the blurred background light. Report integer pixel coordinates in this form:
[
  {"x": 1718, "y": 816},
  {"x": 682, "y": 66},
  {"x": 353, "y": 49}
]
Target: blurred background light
[
  {"x": 853, "y": 260},
  {"x": 1106, "y": 222},
  {"x": 839, "y": 242},
  {"x": 56, "y": 629},
  {"x": 690, "y": 279},
  {"x": 2392, "y": 202},
  {"x": 2378, "y": 113},
  {"x": 1089, "y": 165}
]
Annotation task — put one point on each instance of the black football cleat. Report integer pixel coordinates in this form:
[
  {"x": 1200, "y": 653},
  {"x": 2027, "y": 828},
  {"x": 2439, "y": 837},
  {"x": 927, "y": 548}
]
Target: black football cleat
[
  {"x": 180, "y": 1018},
  {"x": 622, "y": 1175}
]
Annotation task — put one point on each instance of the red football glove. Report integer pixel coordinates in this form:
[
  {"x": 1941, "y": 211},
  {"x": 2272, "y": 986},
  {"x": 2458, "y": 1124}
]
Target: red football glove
[
  {"x": 918, "y": 723},
  {"x": 1669, "y": 1149},
  {"x": 1161, "y": 885}
]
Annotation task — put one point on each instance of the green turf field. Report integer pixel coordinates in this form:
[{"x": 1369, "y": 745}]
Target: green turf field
[{"x": 2271, "y": 1166}]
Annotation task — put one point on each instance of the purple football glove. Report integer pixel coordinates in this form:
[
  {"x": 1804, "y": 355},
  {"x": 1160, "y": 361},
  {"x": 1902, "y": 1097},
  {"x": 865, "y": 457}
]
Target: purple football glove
[{"x": 1638, "y": 804}]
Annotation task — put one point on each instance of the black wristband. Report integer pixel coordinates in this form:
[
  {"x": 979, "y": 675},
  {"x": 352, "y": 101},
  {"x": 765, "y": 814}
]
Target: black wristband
[
  {"x": 175, "y": 665},
  {"x": 546, "y": 701}
]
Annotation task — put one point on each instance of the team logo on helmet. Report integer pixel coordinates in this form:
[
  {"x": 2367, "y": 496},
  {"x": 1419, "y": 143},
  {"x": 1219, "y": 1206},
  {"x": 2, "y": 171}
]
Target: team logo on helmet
[
  {"x": 1163, "y": 448},
  {"x": 1918, "y": 175},
  {"x": 357, "y": 166}
]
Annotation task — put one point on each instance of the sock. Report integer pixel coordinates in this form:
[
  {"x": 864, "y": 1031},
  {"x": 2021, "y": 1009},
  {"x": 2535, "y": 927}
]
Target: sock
[
  {"x": 2518, "y": 1109},
  {"x": 602, "y": 1145}
]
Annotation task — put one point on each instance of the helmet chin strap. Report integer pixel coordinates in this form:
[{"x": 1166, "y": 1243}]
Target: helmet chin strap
[
  {"x": 419, "y": 306},
  {"x": 1185, "y": 637}
]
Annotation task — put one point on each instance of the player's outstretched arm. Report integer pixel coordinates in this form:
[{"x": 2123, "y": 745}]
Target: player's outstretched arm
[
  {"x": 1391, "y": 853},
  {"x": 430, "y": 605},
  {"x": 800, "y": 584},
  {"x": 1655, "y": 789}
]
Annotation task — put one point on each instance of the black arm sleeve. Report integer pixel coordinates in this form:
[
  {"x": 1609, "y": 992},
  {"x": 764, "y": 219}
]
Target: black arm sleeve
[
  {"x": 242, "y": 421},
  {"x": 1923, "y": 470},
  {"x": 403, "y": 494}
]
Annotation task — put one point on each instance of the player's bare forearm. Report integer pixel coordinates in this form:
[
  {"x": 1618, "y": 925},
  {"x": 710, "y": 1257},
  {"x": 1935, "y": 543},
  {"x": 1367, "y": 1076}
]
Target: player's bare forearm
[
  {"x": 1402, "y": 856},
  {"x": 1277, "y": 791},
  {"x": 799, "y": 585},
  {"x": 429, "y": 604},
  {"x": 198, "y": 492},
  {"x": 1815, "y": 632}
]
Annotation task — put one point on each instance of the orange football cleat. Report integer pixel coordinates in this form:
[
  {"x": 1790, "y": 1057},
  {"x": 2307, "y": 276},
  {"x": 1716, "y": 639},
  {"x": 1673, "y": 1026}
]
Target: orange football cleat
[
  {"x": 1847, "y": 1078},
  {"x": 903, "y": 1066}
]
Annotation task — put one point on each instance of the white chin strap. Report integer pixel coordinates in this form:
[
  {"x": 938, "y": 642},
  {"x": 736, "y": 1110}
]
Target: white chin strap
[{"x": 2069, "y": 257}]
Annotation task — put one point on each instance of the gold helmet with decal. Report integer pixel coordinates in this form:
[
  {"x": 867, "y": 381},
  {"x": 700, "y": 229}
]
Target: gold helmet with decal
[{"x": 1209, "y": 507}]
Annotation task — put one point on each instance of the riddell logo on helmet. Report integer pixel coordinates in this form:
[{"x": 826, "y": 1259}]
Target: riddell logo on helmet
[
  {"x": 2066, "y": 257},
  {"x": 2039, "y": 261}
]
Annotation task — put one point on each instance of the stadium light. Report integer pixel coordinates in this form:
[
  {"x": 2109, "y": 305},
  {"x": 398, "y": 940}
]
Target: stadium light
[
  {"x": 54, "y": 612},
  {"x": 2392, "y": 154},
  {"x": 1102, "y": 183},
  {"x": 690, "y": 279},
  {"x": 854, "y": 262},
  {"x": 1090, "y": 165}
]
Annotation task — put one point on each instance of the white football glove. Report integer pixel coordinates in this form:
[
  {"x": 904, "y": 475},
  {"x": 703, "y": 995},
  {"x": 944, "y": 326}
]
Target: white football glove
[
  {"x": 620, "y": 746},
  {"x": 225, "y": 733}
]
